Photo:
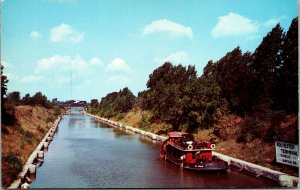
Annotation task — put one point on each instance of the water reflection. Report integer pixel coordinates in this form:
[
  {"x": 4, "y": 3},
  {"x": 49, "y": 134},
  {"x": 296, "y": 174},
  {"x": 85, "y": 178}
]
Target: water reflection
[{"x": 89, "y": 154}]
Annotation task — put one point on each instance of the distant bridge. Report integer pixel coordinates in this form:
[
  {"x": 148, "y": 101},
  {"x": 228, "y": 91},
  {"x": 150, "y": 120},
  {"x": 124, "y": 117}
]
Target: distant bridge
[{"x": 73, "y": 103}]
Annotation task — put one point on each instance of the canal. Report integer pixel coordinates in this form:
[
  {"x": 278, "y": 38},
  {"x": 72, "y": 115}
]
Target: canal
[{"x": 86, "y": 153}]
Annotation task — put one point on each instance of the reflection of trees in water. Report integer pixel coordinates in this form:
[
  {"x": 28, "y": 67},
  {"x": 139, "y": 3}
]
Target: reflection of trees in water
[
  {"x": 73, "y": 121},
  {"x": 76, "y": 110},
  {"x": 102, "y": 125},
  {"x": 122, "y": 133}
]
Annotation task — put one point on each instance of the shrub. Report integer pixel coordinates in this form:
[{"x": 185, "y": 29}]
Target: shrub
[
  {"x": 57, "y": 111},
  {"x": 14, "y": 163},
  {"x": 249, "y": 130}
]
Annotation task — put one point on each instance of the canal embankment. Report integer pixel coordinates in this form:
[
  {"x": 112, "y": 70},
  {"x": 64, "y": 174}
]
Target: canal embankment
[
  {"x": 20, "y": 137},
  {"x": 285, "y": 180},
  {"x": 35, "y": 159}
]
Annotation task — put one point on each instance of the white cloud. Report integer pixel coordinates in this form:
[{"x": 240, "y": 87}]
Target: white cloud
[
  {"x": 167, "y": 26},
  {"x": 272, "y": 22},
  {"x": 234, "y": 25},
  {"x": 65, "y": 32},
  {"x": 35, "y": 35},
  {"x": 180, "y": 57},
  {"x": 32, "y": 79},
  {"x": 96, "y": 61},
  {"x": 118, "y": 64},
  {"x": 54, "y": 62},
  {"x": 60, "y": 64}
]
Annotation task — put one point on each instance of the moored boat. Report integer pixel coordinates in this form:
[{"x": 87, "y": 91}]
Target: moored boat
[{"x": 182, "y": 150}]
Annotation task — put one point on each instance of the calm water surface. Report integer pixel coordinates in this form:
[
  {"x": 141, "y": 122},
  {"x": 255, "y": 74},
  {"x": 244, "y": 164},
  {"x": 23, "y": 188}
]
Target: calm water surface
[{"x": 88, "y": 154}]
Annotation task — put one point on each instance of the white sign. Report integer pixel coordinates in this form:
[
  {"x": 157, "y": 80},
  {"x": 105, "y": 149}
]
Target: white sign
[{"x": 287, "y": 153}]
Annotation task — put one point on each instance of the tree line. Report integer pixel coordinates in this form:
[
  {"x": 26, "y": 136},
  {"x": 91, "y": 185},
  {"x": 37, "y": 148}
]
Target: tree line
[
  {"x": 113, "y": 103},
  {"x": 260, "y": 86},
  {"x": 9, "y": 100}
]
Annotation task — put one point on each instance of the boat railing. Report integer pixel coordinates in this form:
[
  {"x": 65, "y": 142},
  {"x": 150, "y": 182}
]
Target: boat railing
[{"x": 186, "y": 149}]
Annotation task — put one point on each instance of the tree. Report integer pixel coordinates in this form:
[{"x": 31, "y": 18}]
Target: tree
[
  {"x": 40, "y": 99},
  {"x": 266, "y": 61},
  {"x": 94, "y": 103},
  {"x": 13, "y": 98},
  {"x": 7, "y": 112},
  {"x": 288, "y": 82},
  {"x": 234, "y": 77},
  {"x": 27, "y": 100},
  {"x": 54, "y": 101},
  {"x": 177, "y": 96},
  {"x": 125, "y": 100},
  {"x": 115, "y": 103}
]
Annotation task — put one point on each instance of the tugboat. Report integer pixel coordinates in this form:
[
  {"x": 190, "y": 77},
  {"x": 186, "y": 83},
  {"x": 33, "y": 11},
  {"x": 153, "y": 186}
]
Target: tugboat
[{"x": 182, "y": 150}]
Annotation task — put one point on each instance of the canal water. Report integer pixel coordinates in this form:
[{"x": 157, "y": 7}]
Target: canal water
[{"x": 86, "y": 153}]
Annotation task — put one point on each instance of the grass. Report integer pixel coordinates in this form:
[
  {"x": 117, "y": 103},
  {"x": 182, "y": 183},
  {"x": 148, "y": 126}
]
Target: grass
[
  {"x": 22, "y": 138},
  {"x": 224, "y": 135}
]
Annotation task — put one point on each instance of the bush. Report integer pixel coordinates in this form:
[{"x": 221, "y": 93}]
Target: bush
[
  {"x": 119, "y": 116},
  {"x": 28, "y": 137},
  {"x": 249, "y": 130},
  {"x": 14, "y": 163},
  {"x": 57, "y": 111},
  {"x": 145, "y": 121}
]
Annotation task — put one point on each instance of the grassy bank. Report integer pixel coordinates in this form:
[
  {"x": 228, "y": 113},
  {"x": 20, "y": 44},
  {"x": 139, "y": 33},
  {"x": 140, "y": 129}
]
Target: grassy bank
[
  {"x": 20, "y": 139},
  {"x": 224, "y": 135}
]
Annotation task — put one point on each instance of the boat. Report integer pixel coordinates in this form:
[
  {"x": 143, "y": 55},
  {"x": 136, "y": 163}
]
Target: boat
[{"x": 182, "y": 150}]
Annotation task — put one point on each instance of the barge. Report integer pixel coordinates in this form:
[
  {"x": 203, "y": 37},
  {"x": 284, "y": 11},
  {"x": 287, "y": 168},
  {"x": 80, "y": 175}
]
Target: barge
[{"x": 182, "y": 150}]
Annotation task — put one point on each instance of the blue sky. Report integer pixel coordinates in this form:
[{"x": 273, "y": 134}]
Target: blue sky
[{"x": 84, "y": 49}]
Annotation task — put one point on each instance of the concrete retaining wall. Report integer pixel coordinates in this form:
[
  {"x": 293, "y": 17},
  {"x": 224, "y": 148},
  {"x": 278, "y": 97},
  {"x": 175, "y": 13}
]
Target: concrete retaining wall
[
  {"x": 283, "y": 179},
  {"x": 129, "y": 128},
  {"x": 36, "y": 156}
]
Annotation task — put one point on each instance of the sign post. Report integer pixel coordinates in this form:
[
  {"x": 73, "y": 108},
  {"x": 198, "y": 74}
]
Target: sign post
[{"x": 287, "y": 153}]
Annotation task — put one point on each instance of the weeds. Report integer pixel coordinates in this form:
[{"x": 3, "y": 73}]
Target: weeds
[
  {"x": 13, "y": 161},
  {"x": 57, "y": 111},
  {"x": 40, "y": 129},
  {"x": 49, "y": 119}
]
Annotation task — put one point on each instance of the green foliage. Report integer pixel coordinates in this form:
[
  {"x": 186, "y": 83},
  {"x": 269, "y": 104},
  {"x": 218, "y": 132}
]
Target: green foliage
[
  {"x": 145, "y": 121},
  {"x": 255, "y": 86},
  {"x": 14, "y": 163},
  {"x": 38, "y": 100},
  {"x": 287, "y": 91},
  {"x": 265, "y": 67},
  {"x": 57, "y": 111},
  {"x": 7, "y": 110},
  {"x": 13, "y": 98},
  {"x": 27, "y": 100},
  {"x": 113, "y": 104},
  {"x": 177, "y": 96}
]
